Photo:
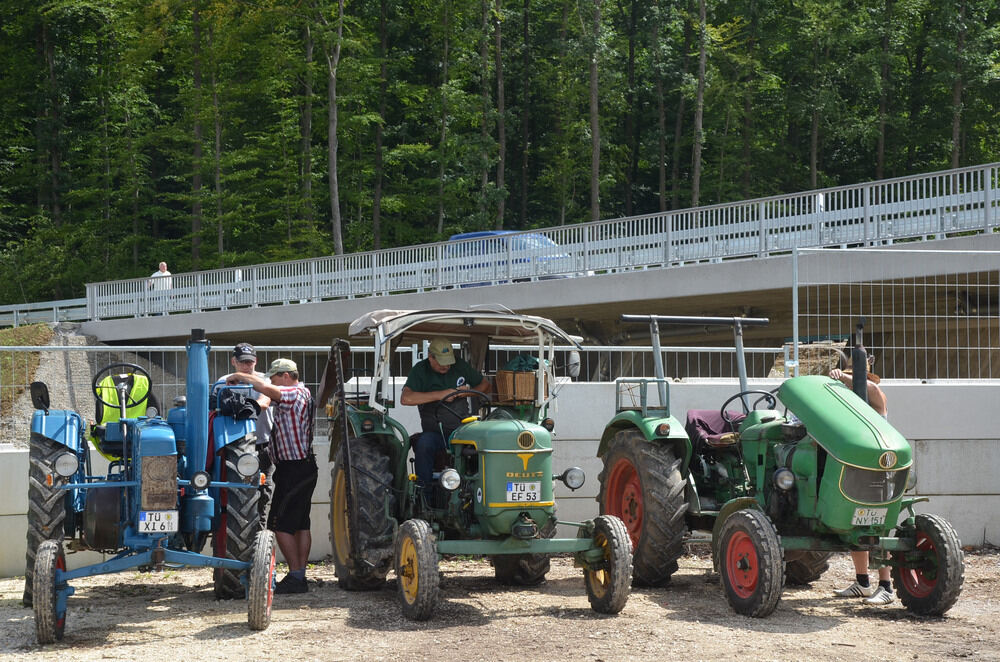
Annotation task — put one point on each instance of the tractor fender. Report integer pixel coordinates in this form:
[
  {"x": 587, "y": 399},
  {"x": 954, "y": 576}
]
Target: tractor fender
[
  {"x": 730, "y": 507},
  {"x": 60, "y": 425},
  {"x": 227, "y": 430},
  {"x": 677, "y": 437},
  {"x": 373, "y": 425}
]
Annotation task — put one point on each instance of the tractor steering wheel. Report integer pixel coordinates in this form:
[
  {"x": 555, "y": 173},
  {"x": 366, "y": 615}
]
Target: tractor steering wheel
[
  {"x": 130, "y": 370},
  {"x": 447, "y": 401},
  {"x": 765, "y": 396}
]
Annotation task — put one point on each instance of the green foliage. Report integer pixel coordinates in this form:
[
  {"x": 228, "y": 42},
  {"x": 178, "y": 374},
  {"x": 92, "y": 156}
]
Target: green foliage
[{"x": 99, "y": 104}]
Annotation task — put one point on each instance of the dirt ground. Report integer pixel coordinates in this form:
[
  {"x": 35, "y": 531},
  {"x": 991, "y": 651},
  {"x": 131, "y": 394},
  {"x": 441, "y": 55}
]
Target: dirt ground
[{"x": 172, "y": 615}]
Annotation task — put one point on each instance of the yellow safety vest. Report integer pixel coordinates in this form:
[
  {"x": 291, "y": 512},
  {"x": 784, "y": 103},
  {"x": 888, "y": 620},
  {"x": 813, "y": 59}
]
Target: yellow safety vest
[{"x": 140, "y": 387}]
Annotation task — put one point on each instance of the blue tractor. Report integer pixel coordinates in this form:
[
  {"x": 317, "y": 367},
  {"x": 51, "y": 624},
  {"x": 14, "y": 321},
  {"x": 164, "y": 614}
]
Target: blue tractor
[{"x": 170, "y": 484}]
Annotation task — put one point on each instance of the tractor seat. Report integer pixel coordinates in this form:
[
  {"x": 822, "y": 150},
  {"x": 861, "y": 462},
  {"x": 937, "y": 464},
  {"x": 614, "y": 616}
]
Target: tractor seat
[{"x": 708, "y": 430}]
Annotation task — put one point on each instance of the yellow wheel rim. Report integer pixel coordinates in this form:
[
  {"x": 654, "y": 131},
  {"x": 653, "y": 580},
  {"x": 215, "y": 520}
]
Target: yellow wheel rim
[
  {"x": 408, "y": 575},
  {"x": 341, "y": 528},
  {"x": 599, "y": 579}
]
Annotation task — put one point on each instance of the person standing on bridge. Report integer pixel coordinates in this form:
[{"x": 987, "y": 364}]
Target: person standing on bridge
[{"x": 161, "y": 281}]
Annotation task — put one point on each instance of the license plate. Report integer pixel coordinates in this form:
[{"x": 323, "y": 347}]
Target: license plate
[
  {"x": 158, "y": 521},
  {"x": 524, "y": 492},
  {"x": 868, "y": 516}
]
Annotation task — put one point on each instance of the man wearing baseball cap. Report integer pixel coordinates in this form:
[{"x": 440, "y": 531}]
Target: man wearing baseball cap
[
  {"x": 429, "y": 382},
  {"x": 295, "y": 471}
]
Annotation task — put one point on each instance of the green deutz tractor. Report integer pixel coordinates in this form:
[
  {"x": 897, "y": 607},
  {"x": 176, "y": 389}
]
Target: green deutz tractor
[
  {"x": 776, "y": 492},
  {"x": 492, "y": 491}
]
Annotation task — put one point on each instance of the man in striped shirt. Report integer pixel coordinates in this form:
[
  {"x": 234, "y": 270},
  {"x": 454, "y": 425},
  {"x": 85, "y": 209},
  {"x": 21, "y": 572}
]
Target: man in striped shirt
[{"x": 295, "y": 466}]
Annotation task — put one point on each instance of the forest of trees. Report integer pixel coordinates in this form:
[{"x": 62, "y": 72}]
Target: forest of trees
[{"x": 212, "y": 133}]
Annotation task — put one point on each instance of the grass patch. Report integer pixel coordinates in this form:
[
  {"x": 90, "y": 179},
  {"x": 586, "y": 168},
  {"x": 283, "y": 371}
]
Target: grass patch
[{"x": 18, "y": 368}]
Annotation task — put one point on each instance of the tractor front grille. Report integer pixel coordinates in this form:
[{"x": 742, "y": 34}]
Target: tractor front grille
[
  {"x": 873, "y": 487},
  {"x": 159, "y": 482}
]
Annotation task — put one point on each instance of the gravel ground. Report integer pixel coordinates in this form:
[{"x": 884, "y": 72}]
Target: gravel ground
[{"x": 172, "y": 614}]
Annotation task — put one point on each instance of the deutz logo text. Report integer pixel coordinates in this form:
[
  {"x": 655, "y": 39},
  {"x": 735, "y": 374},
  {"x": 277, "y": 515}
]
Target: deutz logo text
[{"x": 524, "y": 474}]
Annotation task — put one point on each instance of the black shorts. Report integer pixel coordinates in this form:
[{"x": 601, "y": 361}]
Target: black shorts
[{"x": 294, "y": 482}]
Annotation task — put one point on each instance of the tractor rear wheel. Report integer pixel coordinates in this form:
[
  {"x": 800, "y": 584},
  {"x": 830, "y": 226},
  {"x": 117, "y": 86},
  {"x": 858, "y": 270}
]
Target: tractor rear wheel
[
  {"x": 750, "y": 562},
  {"x": 50, "y": 621},
  {"x": 46, "y": 504},
  {"x": 804, "y": 566},
  {"x": 236, "y": 533},
  {"x": 524, "y": 569},
  {"x": 373, "y": 485},
  {"x": 609, "y": 585},
  {"x": 930, "y": 579},
  {"x": 417, "y": 569},
  {"x": 261, "y": 582},
  {"x": 642, "y": 485}
]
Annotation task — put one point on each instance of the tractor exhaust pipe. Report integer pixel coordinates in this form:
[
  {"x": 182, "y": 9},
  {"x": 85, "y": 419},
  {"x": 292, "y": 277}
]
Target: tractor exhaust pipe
[{"x": 859, "y": 363}]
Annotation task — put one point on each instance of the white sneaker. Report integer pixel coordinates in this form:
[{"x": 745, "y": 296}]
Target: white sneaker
[
  {"x": 856, "y": 590},
  {"x": 880, "y": 597}
]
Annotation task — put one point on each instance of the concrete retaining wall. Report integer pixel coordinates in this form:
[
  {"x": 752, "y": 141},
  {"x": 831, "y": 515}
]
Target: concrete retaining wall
[{"x": 953, "y": 428}]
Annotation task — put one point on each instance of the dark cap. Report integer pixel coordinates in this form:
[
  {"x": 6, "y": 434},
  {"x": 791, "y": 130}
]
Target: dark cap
[{"x": 244, "y": 352}]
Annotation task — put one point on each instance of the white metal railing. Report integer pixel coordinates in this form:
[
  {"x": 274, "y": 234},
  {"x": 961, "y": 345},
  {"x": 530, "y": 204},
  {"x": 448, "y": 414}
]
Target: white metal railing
[
  {"x": 66, "y": 310},
  {"x": 877, "y": 213}
]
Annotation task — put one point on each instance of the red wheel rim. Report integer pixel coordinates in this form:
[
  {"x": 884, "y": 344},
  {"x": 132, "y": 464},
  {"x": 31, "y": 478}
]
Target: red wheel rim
[
  {"x": 270, "y": 581},
  {"x": 61, "y": 565},
  {"x": 624, "y": 497},
  {"x": 742, "y": 565},
  {"x": 915, "y": 580}
]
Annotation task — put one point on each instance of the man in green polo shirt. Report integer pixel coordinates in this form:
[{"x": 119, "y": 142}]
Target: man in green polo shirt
[{"x": 430, "y": 381}]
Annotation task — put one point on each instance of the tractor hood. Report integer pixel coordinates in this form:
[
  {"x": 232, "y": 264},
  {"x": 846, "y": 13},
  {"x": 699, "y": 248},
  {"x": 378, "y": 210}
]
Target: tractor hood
[
  {"x": 503, "y": 436},
  {"x": 844, "y": 425}
]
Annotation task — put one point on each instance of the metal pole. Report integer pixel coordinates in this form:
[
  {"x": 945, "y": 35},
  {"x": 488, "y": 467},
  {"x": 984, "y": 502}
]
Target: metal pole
[
  {"x": 795, "y": 311},
  {"x": 661, "y": 386}
]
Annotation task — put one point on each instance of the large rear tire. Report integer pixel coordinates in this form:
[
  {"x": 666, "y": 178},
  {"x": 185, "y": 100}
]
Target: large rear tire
[
  {"x": 373, "y": 484},
  {"x": 929, "y": 584},
  {"x": 608, "y": 586},
  {"x": 804, "y": 567},
  {"x": 417, "y": 576},
  {"x": 236, "y": 533},
  {"x": 50, "y": 621},
  {"x": 261, "y": 582},
  {"x": 642, "y": 485},
  {"x": 751, "y": 564},
  {"x": 46, "y": 504}
]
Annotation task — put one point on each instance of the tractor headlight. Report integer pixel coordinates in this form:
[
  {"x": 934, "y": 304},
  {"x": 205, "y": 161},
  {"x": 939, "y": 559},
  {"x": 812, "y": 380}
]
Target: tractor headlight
[
  {"x": 450, "y": 480},
  {"x": 200, "y": 480},
  {"x": 573, "y": 477},
  {"x": 662, "y": 430},
  {"x": 66, "y": 464},
  {"x": 784, "y": 479},
  {"x": 911, "y": 479},
  {"x": 248, "y": 464}
]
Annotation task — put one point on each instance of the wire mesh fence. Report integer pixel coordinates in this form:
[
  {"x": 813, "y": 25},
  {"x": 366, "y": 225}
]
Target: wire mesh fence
[{"x": 926, "y": 314}]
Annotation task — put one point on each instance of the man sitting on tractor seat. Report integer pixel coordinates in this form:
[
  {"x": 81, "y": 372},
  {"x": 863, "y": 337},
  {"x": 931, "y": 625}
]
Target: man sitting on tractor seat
[{"x": 428, "y": 382}]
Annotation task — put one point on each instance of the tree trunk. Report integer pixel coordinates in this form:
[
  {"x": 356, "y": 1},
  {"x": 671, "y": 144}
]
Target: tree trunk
[
  {"x": 748, "y": 95},
  {"x": 501, "y": 119},
  {"x": 699, "y": 109},
  {"x": 217, "y": 162},
  {"x": 595, "y": 129},
  {"x": 956, "y": 91},
  {"x": 307, "y": 128},
  {"x": 661, "y": 112},
  {"x": 332, "y": 52},
  {"x": 196, "y": 179},
  {"x": 53, "y": 113},
  {"x": 525, "y": 114},
  {"x": 484, "y": 131},
  {"x": 679, "y": 120},
  {"x": 383, "y": 73},
  {"x": 631, "y": 134},
  {"x": 883, "y": 98}
]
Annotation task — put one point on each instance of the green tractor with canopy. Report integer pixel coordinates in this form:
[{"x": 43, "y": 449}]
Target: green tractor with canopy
[
  {"x": 774, "y": 491},
  {"x": 492, "y": 491}
]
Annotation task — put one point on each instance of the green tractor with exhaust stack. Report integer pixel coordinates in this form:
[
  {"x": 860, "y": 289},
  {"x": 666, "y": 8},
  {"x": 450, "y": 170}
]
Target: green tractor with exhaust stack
[
  {"x": 492, "y": 491},
  {"x": 775, "y": 492}
]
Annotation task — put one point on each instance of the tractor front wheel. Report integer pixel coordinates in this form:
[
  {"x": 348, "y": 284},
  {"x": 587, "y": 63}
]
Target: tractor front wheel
[
  {"x": 236, "y": 533},
  {"x": 50, "y": 620},
  {"x": 373, "y": 486},
  {"x": 610, "y": 582},
  {"x": 417, "y": 569},
  {"x": 261, "y": 582},
  {"x": 750, "y": 562},
  {"x": 46, "y": 504},
  {"x": 929, "y": 579},
  {"x": 642, "y": 485},
  {"x": 804, "y": 566}
]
